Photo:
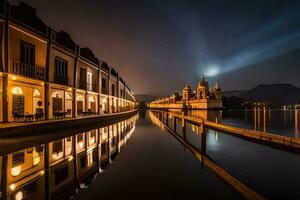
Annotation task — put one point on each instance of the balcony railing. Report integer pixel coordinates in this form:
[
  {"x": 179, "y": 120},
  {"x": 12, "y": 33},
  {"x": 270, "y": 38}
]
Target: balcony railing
[
  {"x": 64, "y": 80},
  {"x": 26, "y": 70},
  {"x": 92, "y": 87}
]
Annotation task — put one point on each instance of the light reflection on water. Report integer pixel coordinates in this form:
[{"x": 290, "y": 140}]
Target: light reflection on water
[
  {"x": 271, "y": 172},
  {"x": 58, "y": 168}
]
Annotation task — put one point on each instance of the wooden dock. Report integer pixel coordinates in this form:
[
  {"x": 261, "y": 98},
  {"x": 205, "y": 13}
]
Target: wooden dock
[{"x": 273, "y": 140}]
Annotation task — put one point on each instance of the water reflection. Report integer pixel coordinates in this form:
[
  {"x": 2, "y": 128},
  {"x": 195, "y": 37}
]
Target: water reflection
[
  {"x": 270, "y": 172},
  {"x": 57, "y": 169}
]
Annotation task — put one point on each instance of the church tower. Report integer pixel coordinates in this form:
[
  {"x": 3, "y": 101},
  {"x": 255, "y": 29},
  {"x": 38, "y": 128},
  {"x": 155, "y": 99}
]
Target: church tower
[
  {"x": 186, "y": 93},
  {"x": 202, "y": 89}
]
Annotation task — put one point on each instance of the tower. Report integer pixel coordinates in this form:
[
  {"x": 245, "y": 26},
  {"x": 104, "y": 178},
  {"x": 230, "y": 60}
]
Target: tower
[
  {"x": 202, "y": 89},
  {"x": 186, "y": 93}
]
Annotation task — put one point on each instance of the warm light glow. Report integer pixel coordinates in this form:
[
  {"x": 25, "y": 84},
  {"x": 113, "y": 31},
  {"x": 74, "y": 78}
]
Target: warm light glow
[
  {"x": 80, "y": 145},
  {"x": 13, "y": 78},
  {"x": 42, "y": 172},
  {"x": 90, "y": 159},
  {"x": 91, "y": 99},
  {"x": 56, "y": 156},
  {"x": 15, "y": 171},
  {"x": 19, "y": 195},
  {"x": 16, "y": 90},
  {"x": 12, "y": 186},
  {"x": 70, "y": 158},
  {"x": 36, "y": 93},
  {"x": 36, "y": 160}
]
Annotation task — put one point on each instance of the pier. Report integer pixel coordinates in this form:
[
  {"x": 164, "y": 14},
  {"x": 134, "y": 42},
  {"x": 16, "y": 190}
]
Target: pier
[{"x": 273, "y": 140}]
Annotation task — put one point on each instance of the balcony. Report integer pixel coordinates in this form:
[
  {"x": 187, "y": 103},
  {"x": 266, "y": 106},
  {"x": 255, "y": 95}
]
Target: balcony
[
  {"x": 26, "y": 70},
  {"x": 63, "y": 80},
  {"x": 92, "y": 87}
]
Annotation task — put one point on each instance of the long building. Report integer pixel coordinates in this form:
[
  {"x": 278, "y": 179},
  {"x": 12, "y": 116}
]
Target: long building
[{"x": 44, "y": 74}]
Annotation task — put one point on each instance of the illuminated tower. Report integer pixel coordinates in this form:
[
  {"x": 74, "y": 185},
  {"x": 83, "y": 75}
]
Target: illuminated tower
[
  {"x": 186, "y": 93},
  {"x": 202, "y": 89}
]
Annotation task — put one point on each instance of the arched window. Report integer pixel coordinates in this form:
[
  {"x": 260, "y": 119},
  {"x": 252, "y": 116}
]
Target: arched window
[
  {"x": 91, "y": 99},
  {"x": 17, "y": 91},
  {"x": 36, "y": 93},
  {"x": 56, "y": 95},
  {"x": 79, "y": 98},
  {"x": 68, "y": 95}
]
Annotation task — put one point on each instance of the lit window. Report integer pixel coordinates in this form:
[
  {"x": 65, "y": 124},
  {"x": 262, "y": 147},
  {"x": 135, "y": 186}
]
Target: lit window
[
  {"x": 16, "y": 90},
  {"x": 36, "y": 93}
]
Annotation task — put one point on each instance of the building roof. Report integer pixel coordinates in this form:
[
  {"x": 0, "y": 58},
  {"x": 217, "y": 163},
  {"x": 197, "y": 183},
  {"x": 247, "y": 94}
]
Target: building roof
[
  {"x": 104, "y": 66},
  {"x": 26, "y": 15},
  {"x": 63, "y": 38},
  {"x": 113, "y": 72},
  {"x": 89, "y": 55}
]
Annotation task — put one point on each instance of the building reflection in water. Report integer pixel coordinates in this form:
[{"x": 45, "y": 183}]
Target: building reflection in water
[{"x": 57, "y": 169}]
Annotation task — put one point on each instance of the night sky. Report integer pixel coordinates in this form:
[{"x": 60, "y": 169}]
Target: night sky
[{"x": 158, "y": 46}]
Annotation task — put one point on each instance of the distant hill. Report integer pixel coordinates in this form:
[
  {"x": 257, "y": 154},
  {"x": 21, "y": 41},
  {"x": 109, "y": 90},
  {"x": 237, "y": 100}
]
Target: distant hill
[
  {"x": 275, "y": 94},
  {"x": 144, "y": 97},
  {"x": 233, "y": 93}
]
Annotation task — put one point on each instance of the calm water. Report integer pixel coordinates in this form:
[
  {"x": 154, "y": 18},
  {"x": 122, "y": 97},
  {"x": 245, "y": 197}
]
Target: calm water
[
  {"x": 271, "y": 172},
  {"x": 138, "y": 159},
  {"x": 132, "y": 159}
]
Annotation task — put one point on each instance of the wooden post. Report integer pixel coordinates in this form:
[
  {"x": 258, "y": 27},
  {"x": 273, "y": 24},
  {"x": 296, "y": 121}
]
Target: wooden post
[
  {"x": 203, "y": 141},
  {"x": 174, "y": 123},
  {"x": 184, "y": 128},
  {"x": 167, "y": 119}
]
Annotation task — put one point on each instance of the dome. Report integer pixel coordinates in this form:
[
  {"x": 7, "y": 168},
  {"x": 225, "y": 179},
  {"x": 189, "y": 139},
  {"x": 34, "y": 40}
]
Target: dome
[
  {"x": 203, "y": 82},
  {"x": 187, "y": 87}
]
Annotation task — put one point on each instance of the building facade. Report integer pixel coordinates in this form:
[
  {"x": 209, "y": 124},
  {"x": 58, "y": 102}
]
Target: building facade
[
  {"x": 202, "y": 98},
  {"x": 44, "y": 74}
]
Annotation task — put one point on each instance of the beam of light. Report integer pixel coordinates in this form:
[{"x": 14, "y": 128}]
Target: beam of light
[
  {"x": 261, "y": 52},
  {"x": 270, "y": 41},
  {"x": 212, "y": 71}
]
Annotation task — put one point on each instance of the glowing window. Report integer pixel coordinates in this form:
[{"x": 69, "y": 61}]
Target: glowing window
[
  {"x": 56, "y": 95},
  {"x": 17, "y": 90},
  {"x": 79, "y": 98},
  {"x": 36, "y": 93},
  {"x": 68, "y": 95},
  {"x": 91, "y": 99}
]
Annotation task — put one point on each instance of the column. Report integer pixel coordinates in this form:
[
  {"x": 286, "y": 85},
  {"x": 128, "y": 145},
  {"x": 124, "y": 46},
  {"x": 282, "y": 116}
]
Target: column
[
  {"x": 108, "y": 91},
  {"x": 5, "y": 67},
  {"x": 46, "y": 81},
  {"x": 75, "y": 82}
]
